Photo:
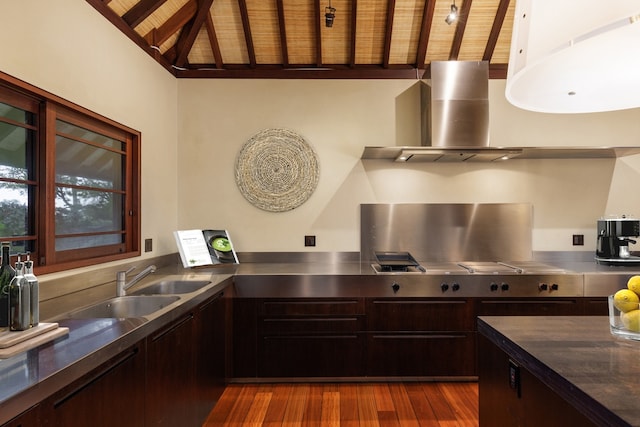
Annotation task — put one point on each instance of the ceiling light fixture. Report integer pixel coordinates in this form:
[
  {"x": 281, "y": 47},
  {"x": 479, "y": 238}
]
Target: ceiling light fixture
[
  {"x": 585, "y": 65},
  {"x": 453, "y": 14},
  {"x": 329, "y": 15}
]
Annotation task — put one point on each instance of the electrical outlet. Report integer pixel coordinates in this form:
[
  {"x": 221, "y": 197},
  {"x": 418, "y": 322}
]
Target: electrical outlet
[
  {"x": 148, "y": 245},
  {"x": 309, "y": 240},
  {"x": 578, "y": 240}
]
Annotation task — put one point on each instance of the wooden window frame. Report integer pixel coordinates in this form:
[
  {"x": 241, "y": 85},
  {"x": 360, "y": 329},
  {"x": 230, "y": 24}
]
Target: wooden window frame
[{"x": 51, "y": 108}]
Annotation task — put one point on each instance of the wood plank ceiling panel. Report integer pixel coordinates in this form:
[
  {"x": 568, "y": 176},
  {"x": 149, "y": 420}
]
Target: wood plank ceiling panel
[
  {"x": 478, "y": 29},
  {"x": 501, "y": 51},
  {"x": 230, "y": 33},
  {"x": 265, "y": 31},
  {"x": 407, "y": 21},
  {"x": 370, "y": 26},
  {"x": 201, "y": 52},
  {"x": 442, "y": 34},
  {"x": 162, "y": 27},
  {"x": 122, "y": 6},
  {"x": 299, "y": 18},
  {"x": 271, "y": 38}
]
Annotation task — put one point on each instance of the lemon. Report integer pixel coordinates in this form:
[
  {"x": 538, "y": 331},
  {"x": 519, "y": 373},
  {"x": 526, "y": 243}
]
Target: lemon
[
  {"x": 631, "y": 320},
  {"x": 634, "y": 284},
  {"x": 626, "y": 300}
]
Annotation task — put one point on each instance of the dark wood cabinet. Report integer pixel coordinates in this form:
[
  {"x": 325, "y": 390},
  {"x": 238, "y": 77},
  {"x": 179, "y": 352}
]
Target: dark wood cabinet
[
  {"x": 310, "y": 337},
  {"x": 171, "y": 374},
  {"x": 509, "y": 395},
  {"x": 210, "y": 346},
  {"x": 30, "y": 418},
  {"x": 420, "y": 337},
  {"x": 595, "y": 306},
  {"x": 186, "y": 365},
  {"x": 530, "y": 306},
  {"x": 112, "y": 395}
]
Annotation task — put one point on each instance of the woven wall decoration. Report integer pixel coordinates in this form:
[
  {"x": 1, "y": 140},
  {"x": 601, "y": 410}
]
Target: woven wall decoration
[{"x": 277, "y": 170}]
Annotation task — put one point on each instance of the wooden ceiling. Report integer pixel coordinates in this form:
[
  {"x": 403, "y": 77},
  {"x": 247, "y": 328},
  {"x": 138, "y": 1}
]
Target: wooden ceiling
[{"x": 370, "y": 39}]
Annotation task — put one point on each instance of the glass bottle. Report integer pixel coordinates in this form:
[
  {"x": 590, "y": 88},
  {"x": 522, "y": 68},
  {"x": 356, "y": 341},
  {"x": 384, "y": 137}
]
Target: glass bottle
[
  {"x": 34, "y": 291},
  {"x": 7, "y": 273},
  {"x": 19, "y": 300}
]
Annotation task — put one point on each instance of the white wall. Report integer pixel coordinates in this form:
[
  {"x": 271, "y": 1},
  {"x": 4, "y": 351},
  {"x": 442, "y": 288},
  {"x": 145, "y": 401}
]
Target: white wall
[
  {"x": 339, "y": 117},
  {"x": 67, "y": 48}
]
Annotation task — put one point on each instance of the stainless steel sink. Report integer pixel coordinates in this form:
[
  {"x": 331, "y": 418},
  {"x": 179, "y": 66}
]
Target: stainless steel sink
[
  {"x": 124, "y": 307},
  {"x": 172, "y": 287}
]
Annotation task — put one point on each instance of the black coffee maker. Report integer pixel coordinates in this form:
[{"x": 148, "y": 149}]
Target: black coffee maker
[{"x": 614, "y": 237}]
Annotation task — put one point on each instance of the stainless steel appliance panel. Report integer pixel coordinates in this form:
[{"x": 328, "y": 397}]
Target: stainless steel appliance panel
[{"x": 448, "y": 232}]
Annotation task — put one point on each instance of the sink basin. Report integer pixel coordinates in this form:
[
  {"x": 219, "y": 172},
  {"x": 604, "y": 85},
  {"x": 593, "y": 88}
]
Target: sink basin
[
  {"x": 123, "y": 307},
  {"x": 172, "y": 287}
]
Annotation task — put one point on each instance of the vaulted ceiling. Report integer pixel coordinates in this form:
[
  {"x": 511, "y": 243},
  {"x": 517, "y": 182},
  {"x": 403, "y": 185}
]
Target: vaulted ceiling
[{"x": 369, "y": 39}]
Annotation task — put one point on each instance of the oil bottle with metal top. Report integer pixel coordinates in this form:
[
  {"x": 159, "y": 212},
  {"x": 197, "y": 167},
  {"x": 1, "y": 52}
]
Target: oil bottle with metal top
[
  {"x": 19, "y": 300},
  {"x": 7, "y": 274},
  {"x": 34, "y": 291}
]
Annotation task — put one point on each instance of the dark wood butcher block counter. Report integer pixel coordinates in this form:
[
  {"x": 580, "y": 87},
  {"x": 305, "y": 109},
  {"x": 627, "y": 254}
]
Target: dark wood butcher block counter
[{"x": 575, "y": 357}]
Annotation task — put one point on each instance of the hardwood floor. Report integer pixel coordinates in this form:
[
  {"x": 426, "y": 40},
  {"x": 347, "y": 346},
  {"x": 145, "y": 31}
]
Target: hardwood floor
[{"x": 436, "y": 404}]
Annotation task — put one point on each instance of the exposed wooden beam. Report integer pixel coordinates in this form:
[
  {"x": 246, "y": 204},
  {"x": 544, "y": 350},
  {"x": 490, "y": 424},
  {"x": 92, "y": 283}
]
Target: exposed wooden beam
[
  {"x": 461, "y": 25},
  {"x": 141, "y": 11},
  {"x": 213, "y": 41},
  {"x": 246, "y": 25},
  {"x": 283, "y": 34},
  {"x": 391, "y": 8},
  {"x": 176, "y": 22},
  {"x": 354, "y": 21},
  {"x": 425, "y": 32},
  {"x": 301, "y": 71},
  {"x": 190, "y": 32},
  {"x": 495, "y": 30}
]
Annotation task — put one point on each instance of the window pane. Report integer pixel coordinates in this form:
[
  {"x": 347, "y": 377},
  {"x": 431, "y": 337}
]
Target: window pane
[
  {"x": 87, "y": 211},
  {"x": 14, "y": 209},
  {"x": 87, "y": 135},
  {"x": 14, "y": 142},
  {"x": 16, "y": 114},
  {"x": 22, "y": 246},
  {"x": 83, "y": 164},
  {"x": 68, "y": 243}
]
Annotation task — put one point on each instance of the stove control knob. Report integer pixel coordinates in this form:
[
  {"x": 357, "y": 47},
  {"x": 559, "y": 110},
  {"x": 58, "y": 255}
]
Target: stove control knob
[
  {"x": 554, "y": 286},
  {"x": 395, "y": 287},
  {"x": 444, "y": 287},
  {"x": 543, "y": 286},
  {"x": 504, "y": 286},
  {"x": 493, "y": 286},
  {"x": 455, "y": 286}
]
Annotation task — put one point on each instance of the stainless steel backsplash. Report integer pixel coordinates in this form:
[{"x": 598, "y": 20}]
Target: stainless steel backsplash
[{"x": 448, "y": 232}]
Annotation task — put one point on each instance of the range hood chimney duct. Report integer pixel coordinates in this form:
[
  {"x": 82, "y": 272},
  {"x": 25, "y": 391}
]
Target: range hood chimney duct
[{"x": 455, "y": 107}]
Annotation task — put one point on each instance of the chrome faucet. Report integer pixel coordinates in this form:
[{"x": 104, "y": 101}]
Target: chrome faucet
[{"x": 121, "y": 279}]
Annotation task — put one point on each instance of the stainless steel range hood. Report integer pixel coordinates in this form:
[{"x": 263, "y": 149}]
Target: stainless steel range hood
[{"x": 455, "y": 123}]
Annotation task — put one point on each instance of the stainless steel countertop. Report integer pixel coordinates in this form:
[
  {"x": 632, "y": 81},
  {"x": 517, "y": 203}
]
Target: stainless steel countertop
[{"x": 30, "y": 377}]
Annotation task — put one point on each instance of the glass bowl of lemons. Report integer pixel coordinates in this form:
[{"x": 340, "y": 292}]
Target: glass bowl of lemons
[{"x": 624, "y": 310}]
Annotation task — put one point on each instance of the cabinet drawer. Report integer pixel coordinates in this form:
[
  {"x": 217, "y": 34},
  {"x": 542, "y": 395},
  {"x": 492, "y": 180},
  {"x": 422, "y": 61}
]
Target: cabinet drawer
[
  {"x": 331, "y": 355},
  {"x": 312, "y": 307},
  {"x": 420, "y": 315},
  {"x": 310, "y": 325},
  {"x": 429, "y": 354},
  {"x": 530, "y": 307}
]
